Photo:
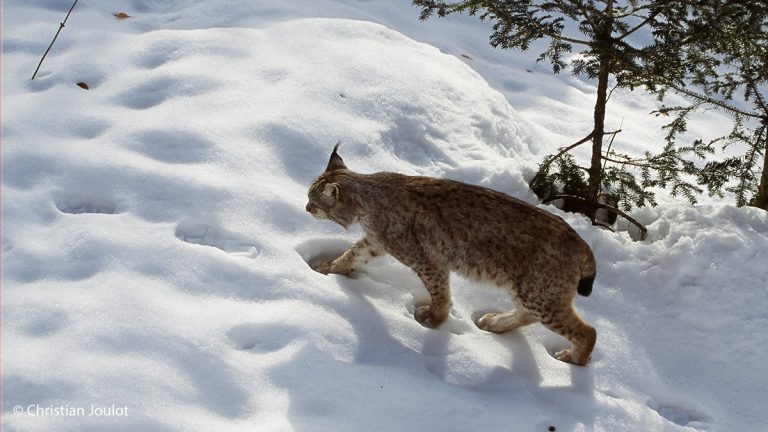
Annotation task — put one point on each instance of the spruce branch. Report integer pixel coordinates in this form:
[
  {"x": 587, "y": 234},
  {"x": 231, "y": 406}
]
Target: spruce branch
[
  {"x": 642, "y": 24},
  {"x": 712, "y": 101},
  {"x": 632, "y": 12}
]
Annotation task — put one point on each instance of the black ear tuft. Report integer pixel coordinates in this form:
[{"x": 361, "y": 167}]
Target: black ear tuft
[{"x": 336, "y": 162}]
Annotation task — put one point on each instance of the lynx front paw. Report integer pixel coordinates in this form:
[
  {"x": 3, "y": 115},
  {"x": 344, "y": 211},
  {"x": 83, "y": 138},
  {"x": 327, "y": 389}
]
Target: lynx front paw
[
  {"x": 423, "y": 315},
  {"x": 566, "y": 356},
  {"x": 323, "y": 267},
  {"x": 326, "y": 267},
  {"x": 426, "y": 317}
]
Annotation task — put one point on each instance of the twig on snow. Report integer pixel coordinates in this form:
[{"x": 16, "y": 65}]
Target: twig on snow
[{"x": 61, "y": 26}]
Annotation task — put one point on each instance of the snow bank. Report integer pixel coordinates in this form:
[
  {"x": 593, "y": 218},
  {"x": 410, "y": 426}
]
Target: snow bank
[
  {"x": 155, "y": 239},
  {"x": 153, "y": 221}
]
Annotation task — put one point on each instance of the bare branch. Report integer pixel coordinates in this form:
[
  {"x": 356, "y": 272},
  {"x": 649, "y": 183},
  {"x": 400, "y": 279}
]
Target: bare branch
[
  {"x": 565, "y": 150},
  {"x": 61, "y": 26},
  {"x": 631, "y": 162},
  {"x": 610, "y": 92},
  {"x": 610, "y": 143},
  {"x": 546, "y": 164},
  {"x": 610, "y": 208}
]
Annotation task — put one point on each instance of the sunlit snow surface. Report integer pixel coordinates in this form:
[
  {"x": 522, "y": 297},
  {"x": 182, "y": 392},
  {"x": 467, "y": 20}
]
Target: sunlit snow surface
[{"x": 155, "y": 240}]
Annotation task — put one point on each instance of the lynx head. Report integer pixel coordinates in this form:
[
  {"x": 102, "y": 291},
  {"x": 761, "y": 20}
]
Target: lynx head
[{"x": 328, "y": 194}]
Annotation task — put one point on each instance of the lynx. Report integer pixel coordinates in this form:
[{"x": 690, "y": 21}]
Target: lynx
[{"x": 436, "y": 226}]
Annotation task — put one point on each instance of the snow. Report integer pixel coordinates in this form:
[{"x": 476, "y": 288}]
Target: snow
[{"x": 155, "y": 242}]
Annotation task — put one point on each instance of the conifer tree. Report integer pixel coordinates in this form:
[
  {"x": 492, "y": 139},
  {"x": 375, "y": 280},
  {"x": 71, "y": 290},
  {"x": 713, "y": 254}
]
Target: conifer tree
[
  {"x": 726, "y": 68},
  {"x": 609, "y": 51}
]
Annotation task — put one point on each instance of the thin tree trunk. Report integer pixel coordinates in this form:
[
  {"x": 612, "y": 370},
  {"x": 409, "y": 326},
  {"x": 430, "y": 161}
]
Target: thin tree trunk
[
  {"x": 761, "y": 200},
  {"x": 595, "y": 167}
]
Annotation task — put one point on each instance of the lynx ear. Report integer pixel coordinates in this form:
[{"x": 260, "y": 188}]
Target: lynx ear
[
  {"x": 336, "y": 162},
  {"x": 331, "y": 190}
]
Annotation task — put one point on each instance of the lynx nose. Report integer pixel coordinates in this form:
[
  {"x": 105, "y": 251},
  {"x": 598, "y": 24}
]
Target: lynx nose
[{"x": 309, "y": 207}]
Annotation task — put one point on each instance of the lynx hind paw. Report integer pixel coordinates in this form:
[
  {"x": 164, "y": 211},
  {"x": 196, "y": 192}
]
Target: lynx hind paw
[{"x": 487, "y": 321}]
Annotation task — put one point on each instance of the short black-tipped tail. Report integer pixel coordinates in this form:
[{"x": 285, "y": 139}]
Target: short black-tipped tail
[{"x": 585, "y": 286}]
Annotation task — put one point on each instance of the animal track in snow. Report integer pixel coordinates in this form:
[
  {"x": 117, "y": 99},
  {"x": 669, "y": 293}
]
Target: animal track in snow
[
  {"x": 42, "y": 322},
  {"x": 88, "y": 128},
  {"x": 227, "y": 241},
  {"x": 160, "y": 54},
  {"x": 317, "y": 250},
  {"x": 173, "y": 48},
  {"x": 76, "y": 204},
  {"x": 157, "y": 90},
  {"x": 176, "y": 147},
  {"x": 677, "y": 414},
  {"x": 262, "y": 337}
]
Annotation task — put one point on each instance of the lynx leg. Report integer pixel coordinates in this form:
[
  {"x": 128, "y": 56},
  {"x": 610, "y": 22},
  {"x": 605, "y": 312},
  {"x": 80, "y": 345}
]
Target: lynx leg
[
  {"x": 436, "y": 281},
  {"x": 567, "y": 323},
  {"x": 504, "y": 322},
  {"x": 361, "y": 252}
]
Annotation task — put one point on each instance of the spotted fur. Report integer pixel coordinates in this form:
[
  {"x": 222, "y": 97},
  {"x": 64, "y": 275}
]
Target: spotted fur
[{"x": 436, "y": 226}]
